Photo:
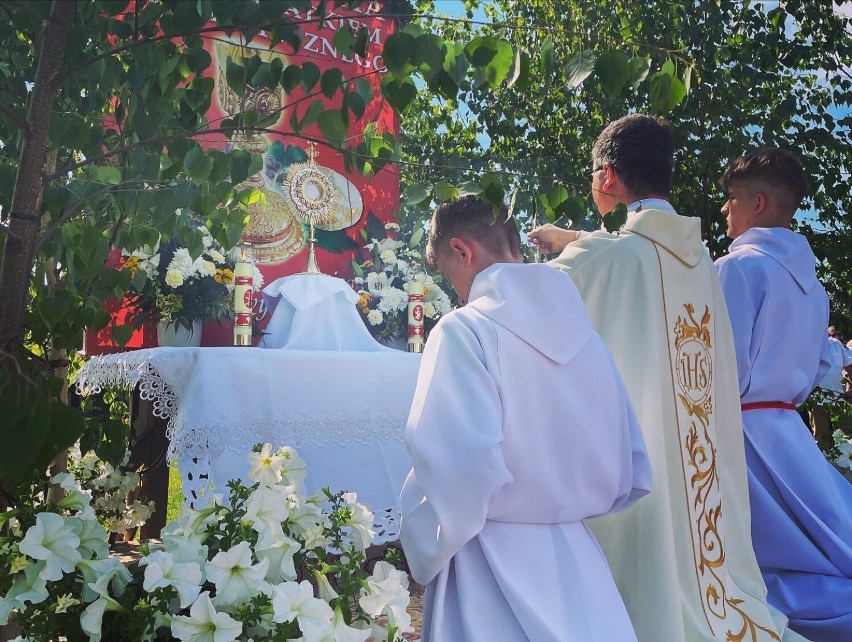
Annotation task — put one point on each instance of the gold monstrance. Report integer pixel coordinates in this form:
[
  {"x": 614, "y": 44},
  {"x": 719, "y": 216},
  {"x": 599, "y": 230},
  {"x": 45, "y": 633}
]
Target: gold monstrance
[{"x": 310, "y": 188}]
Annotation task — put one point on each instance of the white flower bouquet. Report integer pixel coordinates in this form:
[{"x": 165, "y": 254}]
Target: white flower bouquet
[
  {"x": 179, "y": 284},
  {"x": 268, "y": 564},
  {"x": 381, "y": 281}
]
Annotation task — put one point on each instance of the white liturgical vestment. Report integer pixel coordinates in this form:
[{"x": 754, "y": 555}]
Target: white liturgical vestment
[
  {"x": 682, "y": 558},
  {"x": 519, "y": 430}
]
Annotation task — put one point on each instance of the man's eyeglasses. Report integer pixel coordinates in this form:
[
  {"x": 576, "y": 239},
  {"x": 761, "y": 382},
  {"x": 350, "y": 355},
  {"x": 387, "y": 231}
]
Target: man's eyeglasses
[{"x": 590, "y": 173}]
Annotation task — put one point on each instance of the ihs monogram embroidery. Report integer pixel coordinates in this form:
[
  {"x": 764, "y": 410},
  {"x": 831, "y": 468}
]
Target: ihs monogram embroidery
[{"x": 694, "y": 366}]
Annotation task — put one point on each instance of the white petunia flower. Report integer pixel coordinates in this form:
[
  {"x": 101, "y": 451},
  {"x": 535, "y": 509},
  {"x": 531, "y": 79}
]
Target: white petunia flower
[
  {"x": 91, "y": 620},
  {"x": 374, "y": 317},
  {"x": 162, "y": 571},
  {"x": 53, "y": 540},
  {"x": 265, "y": 466},
  {"x": 360, "y": 522},
  {"x": 296, "y": 601},
  {"x": 845, "y": 458},
  {"x": 28, "y": 586},
  {"x": 266, "y": 506},
  {"x": 387, "y": 592},
  {"x": 342, "y": 632},
  {"x": 93, "y": 538},
  {"x": 110, "y": 568},
  {"x": 235, "y": 577},
  {"x": 293, "y": 468},
  {"x": 205, "y": 624},
  {"x": 278, "y": 549},
  {"x": 76, "y": 498}
]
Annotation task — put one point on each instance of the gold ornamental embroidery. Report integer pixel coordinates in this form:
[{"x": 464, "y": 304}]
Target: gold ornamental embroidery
[{"x": 694, "y": 366}]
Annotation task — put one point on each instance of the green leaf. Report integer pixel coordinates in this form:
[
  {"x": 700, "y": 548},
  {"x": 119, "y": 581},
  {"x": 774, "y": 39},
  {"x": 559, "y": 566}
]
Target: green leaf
[
  {"x": 665, "y": 91},
  {"x": 331, "y": 81},
  {"x": 235, "y": 75},
  {"x": 469, "y": 188},
  {"x": 640, "y": 66},
  {"x": 397, "y": 52},
  {"x": 198, "y": 165},
  {"x": 492, "y": 190},
  {"x": 399, "y": 93},
  {"x": 416, "y": 237},
  {"x": 312, "y": 114},
  {"x": 291, "y": 76},
  {"x": 418, "y": 195},
  {"x": 332, "y": 126},
  {"x": 613, "y": 70},
  {"x": 310, "y": 75},
  {"x": 491, "y": 58},
  {"x": 520, "y": 71},
  {"x": 445, "y": 192},
  {"x": 616, "y": 218},
  {"x": 109, "y": 174},
  {"x": 579, "y": 67},
  {"x": 336, "y": 241},
  {"x": 344, "y": 39},
  {"x": 687, "y": 77},
  {"x": 121, "y": 334}
]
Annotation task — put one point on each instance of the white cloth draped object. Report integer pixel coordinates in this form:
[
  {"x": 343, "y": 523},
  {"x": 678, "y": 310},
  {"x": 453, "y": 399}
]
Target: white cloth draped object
[
  {"x": 519, "y": 430},
  {"x": 315, "y": 312},
  {"x": 344, "y": 411},
  {"x": 683, "y": 556}
]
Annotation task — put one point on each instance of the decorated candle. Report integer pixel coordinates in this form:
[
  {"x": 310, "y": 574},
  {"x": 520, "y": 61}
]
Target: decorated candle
[
  {"x": 416, "y": 332},
  {"x": 243, "y": 293}
]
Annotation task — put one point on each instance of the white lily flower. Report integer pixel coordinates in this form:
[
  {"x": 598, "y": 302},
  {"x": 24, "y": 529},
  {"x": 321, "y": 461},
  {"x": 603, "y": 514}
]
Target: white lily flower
[
  {"x": 342, "y": 632},
  {"x": 91, "y": 621},
  {"x": 76, "y": 498},
  {"x": 293, "y": 469},
  {"x": 265, "y": 466},
  {"x": 273, "y": 545},
  {"x": 205, "y": 624},
  {"x": 110, "y": 568},
  {"x": 162, "y": 571},
  {"x": 267, "y": 506},
  {"x": 297, "y": 601},
  {"x": 360, "y": 522},
  {"x": 235, "y": 577},
  {"x": 53, "y": 540}
]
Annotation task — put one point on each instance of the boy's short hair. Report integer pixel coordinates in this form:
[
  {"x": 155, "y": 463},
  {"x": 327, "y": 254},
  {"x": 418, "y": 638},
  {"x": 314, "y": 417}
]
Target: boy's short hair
[
  {"x": 471, "y": 217},
  {"x": 773, "y": 167},
  {"x": 641, "y": 150}
]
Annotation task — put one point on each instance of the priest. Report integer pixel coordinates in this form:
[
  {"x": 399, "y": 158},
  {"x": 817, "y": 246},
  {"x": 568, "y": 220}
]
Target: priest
[
  {"x": 520, "y": 429},
  {"x": 801, "y": 506},
  {"x": 682, "y": 557}
]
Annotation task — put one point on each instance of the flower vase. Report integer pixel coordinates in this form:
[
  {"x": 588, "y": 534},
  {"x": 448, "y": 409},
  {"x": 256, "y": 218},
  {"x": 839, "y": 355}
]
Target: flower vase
[{"x": 177, "y": 336}]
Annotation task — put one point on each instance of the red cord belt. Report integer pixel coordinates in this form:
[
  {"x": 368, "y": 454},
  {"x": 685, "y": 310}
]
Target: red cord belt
[{"x": 760, "y": 405}]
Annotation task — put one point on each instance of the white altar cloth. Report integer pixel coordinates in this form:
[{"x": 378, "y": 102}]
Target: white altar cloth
[{"x": 344, "y": 411}]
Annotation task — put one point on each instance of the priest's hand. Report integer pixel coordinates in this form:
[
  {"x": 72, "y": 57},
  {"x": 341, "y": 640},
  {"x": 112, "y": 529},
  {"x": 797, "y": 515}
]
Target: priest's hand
[{"x": 551, "y": 239}]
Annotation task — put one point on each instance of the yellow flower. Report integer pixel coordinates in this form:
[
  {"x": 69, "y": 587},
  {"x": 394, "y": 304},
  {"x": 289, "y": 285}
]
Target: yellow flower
[
  {"x": 364, "y": 302},
  {"x": 132, "y": 264},
  {"x": 224, "y": 275}
]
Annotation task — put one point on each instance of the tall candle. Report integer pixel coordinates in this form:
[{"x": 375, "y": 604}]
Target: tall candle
[
  {"x": 243, "y": 292},
  {"x": 416, "y": 333}
]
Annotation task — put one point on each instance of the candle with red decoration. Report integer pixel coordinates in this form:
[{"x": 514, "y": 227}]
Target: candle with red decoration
[
  {"x": 416, "y": 332},
  {"x": 243, "y": 293}
]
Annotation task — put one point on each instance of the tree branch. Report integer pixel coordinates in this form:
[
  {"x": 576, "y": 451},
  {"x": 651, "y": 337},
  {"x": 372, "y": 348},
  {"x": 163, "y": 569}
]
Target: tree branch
[{"x": 16, "y": 118}]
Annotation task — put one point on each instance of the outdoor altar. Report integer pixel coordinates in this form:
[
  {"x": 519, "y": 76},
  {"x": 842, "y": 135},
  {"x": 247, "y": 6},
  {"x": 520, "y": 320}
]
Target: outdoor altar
[{"x": 322, "y": 385}]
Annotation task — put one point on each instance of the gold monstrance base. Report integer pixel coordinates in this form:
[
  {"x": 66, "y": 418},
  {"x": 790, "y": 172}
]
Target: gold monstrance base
[{"x": 312, "y": 267}]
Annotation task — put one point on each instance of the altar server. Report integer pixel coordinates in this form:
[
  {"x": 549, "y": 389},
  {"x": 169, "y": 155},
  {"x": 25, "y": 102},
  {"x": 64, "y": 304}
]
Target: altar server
[
  {"x": 801, "y": 506},
  {"x": 520, "y": 429},
  {"x": 682, "y": 557}
]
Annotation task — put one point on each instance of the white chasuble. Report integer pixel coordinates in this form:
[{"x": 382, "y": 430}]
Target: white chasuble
[
  {"x": 520, "y": 429},
  {"x": 682, "y": 558}
]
